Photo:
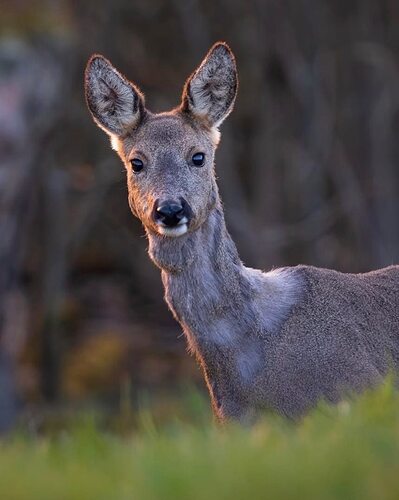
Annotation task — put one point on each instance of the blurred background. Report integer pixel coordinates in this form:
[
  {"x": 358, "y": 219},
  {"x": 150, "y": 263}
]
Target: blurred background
[{"x": 308, "y": 171}]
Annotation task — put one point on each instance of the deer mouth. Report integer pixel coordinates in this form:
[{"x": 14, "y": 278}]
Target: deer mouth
[{"x": 173, "y": 231}]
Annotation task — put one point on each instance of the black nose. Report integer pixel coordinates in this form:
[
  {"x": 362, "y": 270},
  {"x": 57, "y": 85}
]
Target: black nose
[{"x": 170, "y": 212}]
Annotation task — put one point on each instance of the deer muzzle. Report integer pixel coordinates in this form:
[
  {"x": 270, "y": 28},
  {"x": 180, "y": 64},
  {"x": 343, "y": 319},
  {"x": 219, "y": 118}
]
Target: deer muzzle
[{"x": 172, "y": 216}]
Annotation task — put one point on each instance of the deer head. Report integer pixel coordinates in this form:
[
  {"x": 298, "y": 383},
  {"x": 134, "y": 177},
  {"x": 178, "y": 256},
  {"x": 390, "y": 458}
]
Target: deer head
[{"x": 169, "y": 157}]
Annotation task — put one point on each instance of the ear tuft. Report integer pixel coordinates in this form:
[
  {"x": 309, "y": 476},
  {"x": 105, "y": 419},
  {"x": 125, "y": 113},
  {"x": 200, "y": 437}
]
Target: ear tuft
[
  {"x": 210, "y": 92},
  {"x": 116, "y": 104}
]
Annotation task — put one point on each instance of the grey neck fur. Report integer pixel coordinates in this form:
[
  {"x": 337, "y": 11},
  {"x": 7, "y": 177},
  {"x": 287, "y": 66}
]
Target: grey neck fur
[
  {"x": 226, "y": 309},
  {"x": 201, "y": 271}
]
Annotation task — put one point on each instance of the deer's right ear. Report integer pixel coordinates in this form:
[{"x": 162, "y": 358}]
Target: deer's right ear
[{"x": 116, "y": 105}]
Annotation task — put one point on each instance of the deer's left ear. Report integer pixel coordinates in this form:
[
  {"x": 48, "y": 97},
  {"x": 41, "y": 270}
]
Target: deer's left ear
[{"x": 210, "y": 91}]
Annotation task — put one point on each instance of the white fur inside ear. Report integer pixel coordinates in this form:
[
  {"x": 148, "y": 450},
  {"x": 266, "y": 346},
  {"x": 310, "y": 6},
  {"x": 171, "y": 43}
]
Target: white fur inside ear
[
  {"x": 114, "y": 142},
  {"x": 215, "y": 136}
]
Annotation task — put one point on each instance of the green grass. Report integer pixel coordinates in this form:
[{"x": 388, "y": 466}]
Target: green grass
[{"x": 349, "y": 451}]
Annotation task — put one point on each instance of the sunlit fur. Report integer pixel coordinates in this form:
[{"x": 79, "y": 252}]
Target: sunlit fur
[{"x": 281, "y": 340}]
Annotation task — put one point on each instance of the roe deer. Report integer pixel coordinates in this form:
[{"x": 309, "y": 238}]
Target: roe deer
[{"x": 280, "y": 340}]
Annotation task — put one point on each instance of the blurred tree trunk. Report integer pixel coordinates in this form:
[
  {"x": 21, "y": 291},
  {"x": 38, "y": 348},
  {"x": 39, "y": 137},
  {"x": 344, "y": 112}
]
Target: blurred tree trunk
[
  {"x": 54, "y": 279},
  {"x": 27, "y": 114}
]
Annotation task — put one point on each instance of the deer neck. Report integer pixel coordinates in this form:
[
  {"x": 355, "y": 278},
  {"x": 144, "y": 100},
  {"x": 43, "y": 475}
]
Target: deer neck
[
  {"x": 201, "y": 272},
  {"x": 223, "y": 307}
]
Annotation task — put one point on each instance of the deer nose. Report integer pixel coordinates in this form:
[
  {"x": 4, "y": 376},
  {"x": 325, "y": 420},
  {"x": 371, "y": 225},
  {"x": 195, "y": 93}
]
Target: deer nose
[{"x": 170, "y": 213}]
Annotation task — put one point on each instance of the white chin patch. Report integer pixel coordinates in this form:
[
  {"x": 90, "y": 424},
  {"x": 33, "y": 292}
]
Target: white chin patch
[{"x": 173, "y": 232}]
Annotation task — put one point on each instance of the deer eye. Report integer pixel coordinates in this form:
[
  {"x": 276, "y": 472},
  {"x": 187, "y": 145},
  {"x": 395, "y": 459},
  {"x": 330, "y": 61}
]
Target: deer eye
[
  {"x": 136, "y": 164},
  {"x": 198, "y": 159}
]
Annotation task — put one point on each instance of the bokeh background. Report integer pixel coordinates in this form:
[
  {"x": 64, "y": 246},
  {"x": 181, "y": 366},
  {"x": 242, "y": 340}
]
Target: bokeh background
[{"x": 308, "y": 171}]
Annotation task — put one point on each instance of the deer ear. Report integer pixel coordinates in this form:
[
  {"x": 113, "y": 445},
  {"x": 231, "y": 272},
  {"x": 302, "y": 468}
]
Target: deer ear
[
  {"x": 116, "y": 105},
  {"x": 210, "y": 91}
]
